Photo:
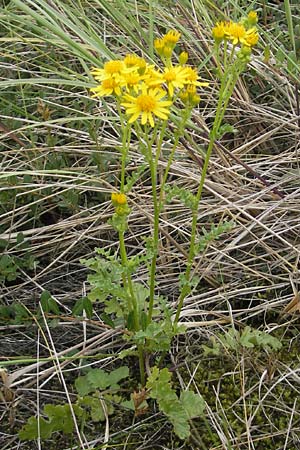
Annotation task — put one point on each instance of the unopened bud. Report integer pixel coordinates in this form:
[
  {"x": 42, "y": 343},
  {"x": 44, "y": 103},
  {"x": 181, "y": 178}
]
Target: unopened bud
[{"x": 183, "y": 57}]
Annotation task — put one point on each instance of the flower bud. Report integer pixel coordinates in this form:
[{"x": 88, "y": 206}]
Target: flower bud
[
  {"x": 183, "y": 57},
  {"x": 118, "y": 199},
  {"x": 252, "y": 18}
]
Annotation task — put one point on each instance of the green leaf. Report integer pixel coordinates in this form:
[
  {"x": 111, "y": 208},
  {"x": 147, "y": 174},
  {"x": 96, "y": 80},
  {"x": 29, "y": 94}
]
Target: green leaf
[
  {"x": 224, "y": 129},
  {"x": 254, "y": 338},
  {"x": 78, "y": 307},
  {"x": 117, "y": 375},
  {"x": 83, "y": 304},
  {"x": 141, "y": 294},
  {"x": 53, "y": 306},
  {"x": 193, "y": 404},
  {"x": 107, "y": 320},
  {"x": 88, "y": 307},
  {"x": 98, "y": 379},
  {"x": 82, "y": 386},
  {"x": 180, "y": 423},
  {"x": 160, "y": 389},
  {"x": 213, "y": 234},
  {"x": 185, "y": 196},
  {"x": 60, "y": 419},
  {"x": 96, "y": 409},
  {"x": 32, "y": 430},
  {"x": 48, "y": 303}
]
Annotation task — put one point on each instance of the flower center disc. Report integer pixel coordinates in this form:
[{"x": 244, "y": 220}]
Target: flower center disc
[
  {"x": 145, "y": 103},
  {"x": 112, "y": 67},
  {"x": 170, "y": 75}
]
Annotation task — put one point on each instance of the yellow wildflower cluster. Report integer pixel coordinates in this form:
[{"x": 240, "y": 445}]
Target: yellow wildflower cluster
[
  {"x": 243, "y": 33},
  {"x": 119, "y": 200},
  {"x": 145, "y": 91}
]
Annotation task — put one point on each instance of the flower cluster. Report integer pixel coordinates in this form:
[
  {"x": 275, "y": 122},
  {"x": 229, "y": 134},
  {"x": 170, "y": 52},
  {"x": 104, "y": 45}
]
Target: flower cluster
[
  {"x": 119, "y": 201},
  {"x": 243, "y": 33},
  {"x": 147, "y": 92}
]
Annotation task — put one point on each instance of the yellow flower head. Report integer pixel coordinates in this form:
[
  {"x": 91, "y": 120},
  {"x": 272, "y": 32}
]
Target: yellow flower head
[
  {"x": 236, "y": 32},
  {"x": 118, "y": 199},
  {"x": 219, "y": 32},
  {"x": 110, "y": 69},
  {"x": 159, "y": 45},
  {"x": 252, "y": 18},
  {"x": 183, "y": 57},
  {"x": 251, "y": 38},
  {"x": 167, "y": 51},
  {"x": 172, "y": 37},
  {"x": 189, "y": 96},
  {"x": 191, "y": 77},
  {"x": 152, "y": 77},
  {"x": 131, "y": 81},
  {"x": 174, "y": 77},
  {"x": 146, "y": 104},
  {"x": 132, "y": 60},
  {"x": 244, "y": 54},
  {"x": 107, "y": 87}
]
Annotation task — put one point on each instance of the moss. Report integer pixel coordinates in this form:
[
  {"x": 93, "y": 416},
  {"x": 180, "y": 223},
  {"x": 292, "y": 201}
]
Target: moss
[{"x": 256, "y": 393}]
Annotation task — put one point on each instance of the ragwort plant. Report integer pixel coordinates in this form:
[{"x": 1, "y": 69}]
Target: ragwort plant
[{"x": 148, "y": 97}]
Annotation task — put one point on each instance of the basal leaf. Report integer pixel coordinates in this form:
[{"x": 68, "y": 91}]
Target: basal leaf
[
  {"x": 32, "y": 430},
  {"x": 98, "y": 378},
  {"x": 192, "y": 403},
  {"x": 82, "y": 386},
  {"x": 118, "y": 374},
  {"x": 60, "y": 417}
]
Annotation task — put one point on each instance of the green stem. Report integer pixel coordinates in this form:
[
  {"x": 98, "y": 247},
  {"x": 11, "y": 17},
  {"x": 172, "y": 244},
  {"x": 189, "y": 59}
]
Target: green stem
[
  {"x": 132, "y": 306},
  {"x": 185, "y": 116},
  {"x": 126, "y": 133},
  {"x": 127, "y": 281},
  {"x": 153, "y": 171},
  {"x": 226, "y": 89},
  {"x": 141, "y": 364},
  {"x": 157, "y": 202}
]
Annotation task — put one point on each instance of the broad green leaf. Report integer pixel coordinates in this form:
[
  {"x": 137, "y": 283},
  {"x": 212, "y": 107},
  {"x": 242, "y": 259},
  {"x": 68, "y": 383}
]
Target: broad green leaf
[
  {"x": 192, "y": 403},
  {"x": 98, "y": 379},
  {"x": 60, "y": 417},
  {"x": 82, "y": 386},
  {"x": 118, "y": 374},
  {"x": 31, "y": 430},
  {"x": 96, "y": 409}
]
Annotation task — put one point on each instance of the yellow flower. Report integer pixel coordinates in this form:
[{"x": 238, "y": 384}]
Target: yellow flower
[
  {"x": 219, "y": 32},
  {"x": 236, "y": 32},
  {"x": 107, "y": 87},
  {"x": 118, "y": 199},
  {"x": 175, "y": 77},
  {"x": 147, "y": 104},
  {"x": 172, "y": 37},
  {"x": 189, "y": 96},
  {"x": 133, "y": 61},
  {"x": 183, "y": 57},
  {"x": 166, "y": 44},
  {"x": 152, "y": 77},
  {"x": 191, "y": 77},
  {"x": 251, "y": 38},
  {"x": 110, "y": 69},
  {"x": 131, "y": 81},
  {"x": 252, "y": 18},
  {"x": 159, "y": 45}
]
